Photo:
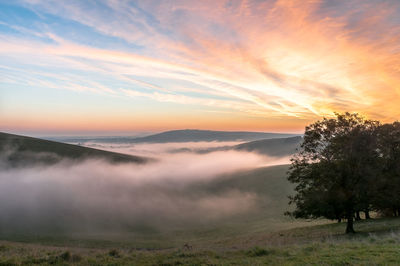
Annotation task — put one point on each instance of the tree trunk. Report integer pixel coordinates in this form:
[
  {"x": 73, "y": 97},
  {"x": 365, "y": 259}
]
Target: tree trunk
[
  {"x": 358, "y": 217},
  {"x": 367, "y": 214},
  {"x": 349, "y": 227},
  {"x": 339, "y": 220}
]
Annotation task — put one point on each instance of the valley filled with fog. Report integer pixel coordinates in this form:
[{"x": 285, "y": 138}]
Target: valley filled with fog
[{"x": 184, "y": 185}]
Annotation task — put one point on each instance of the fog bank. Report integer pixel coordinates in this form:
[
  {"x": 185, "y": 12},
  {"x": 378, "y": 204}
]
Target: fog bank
[{"x": 98, "y": 196}]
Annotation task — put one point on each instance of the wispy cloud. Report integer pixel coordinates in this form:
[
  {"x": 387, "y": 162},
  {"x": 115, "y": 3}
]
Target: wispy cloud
[{"x": 270, "y": 59}]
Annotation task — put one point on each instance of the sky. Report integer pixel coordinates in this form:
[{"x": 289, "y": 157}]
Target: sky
[{"x": 127, "y": 67}]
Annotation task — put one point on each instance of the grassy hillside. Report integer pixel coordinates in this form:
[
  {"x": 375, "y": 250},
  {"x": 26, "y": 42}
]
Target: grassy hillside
[
  {"x": 377, "y": 243},
  {"x": 272, "y": 147},
  {"x": 23, "y": 151},
  {"x": 258, "y": 237},
  {"x": 187, "y": 135}
]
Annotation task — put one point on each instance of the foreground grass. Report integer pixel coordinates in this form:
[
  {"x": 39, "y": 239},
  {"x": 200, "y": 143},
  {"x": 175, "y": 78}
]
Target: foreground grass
[
  {"x": 378, "y": 242},
  {"x": 369, "y": 251}
]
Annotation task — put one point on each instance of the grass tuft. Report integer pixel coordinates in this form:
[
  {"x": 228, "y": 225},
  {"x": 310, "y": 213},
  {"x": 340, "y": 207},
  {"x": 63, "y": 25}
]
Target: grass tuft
[
  {"x": 66, "y": 256},
  {"x": 114, "y": 253},
  {"x": 257, "y": 252}
]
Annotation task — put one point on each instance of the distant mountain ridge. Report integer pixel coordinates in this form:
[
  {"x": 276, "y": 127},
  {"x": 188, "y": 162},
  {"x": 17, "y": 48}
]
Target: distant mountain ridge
[
  {"x": 185, "y": 135},
  {"x": 20, "y": 151}
]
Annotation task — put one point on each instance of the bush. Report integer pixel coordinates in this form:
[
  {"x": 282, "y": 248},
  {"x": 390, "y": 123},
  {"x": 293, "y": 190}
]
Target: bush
[
  {"x": 66, "y": 256},
  {"x": 114, "y": 253},
  {"x": 257, "y": 252}
]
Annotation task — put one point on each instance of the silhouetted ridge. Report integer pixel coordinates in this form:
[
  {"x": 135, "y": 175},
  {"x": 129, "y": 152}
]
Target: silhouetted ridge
[{"x": 18, "y": 150}]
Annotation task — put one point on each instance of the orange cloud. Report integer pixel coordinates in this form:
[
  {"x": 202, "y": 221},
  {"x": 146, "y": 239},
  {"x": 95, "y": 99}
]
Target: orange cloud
[{"x": 259, "y": 62}]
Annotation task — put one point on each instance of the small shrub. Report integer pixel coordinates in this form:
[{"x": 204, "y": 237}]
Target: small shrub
[
  {"x": 114, "y": 253},
  {"x": 257, "y": 252},
  {"x": 66, "y": 256}
]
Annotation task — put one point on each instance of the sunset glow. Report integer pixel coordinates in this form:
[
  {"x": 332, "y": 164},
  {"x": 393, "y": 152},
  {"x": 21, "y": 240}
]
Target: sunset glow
[{"x": 116, "y": 67}]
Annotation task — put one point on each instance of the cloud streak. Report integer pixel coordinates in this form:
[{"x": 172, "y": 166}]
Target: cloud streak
[{"x": 256, "y": 60}]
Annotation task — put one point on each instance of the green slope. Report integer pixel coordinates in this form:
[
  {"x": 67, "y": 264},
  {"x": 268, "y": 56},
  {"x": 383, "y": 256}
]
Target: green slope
[
  {"x": 18, "y": 150},
  {"x": 377, "y": 243},
  {"x": 261, "y": 237},
  {"x": 272, "y": 147}
]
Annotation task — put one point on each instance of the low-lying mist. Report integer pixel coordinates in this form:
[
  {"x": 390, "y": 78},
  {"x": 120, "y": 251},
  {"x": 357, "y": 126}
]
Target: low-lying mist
[
  {"x": 98, "y": 196},
  {"x": 158, "y": 149}
]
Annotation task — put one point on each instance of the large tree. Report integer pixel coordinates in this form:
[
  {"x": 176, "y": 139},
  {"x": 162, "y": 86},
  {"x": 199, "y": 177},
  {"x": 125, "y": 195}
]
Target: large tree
[{"x": 334, "y": 168}]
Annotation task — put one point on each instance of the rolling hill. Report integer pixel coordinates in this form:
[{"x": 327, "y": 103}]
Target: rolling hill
[
  {"x": 186, "y": 135},
  {"x": 270, "y": 147},
  {"x": 18, "y": 151}
]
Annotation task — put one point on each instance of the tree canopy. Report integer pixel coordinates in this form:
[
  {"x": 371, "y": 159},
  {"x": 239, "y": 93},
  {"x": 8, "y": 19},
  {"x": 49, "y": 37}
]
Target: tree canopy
[{"x": 346, "y": 165}]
